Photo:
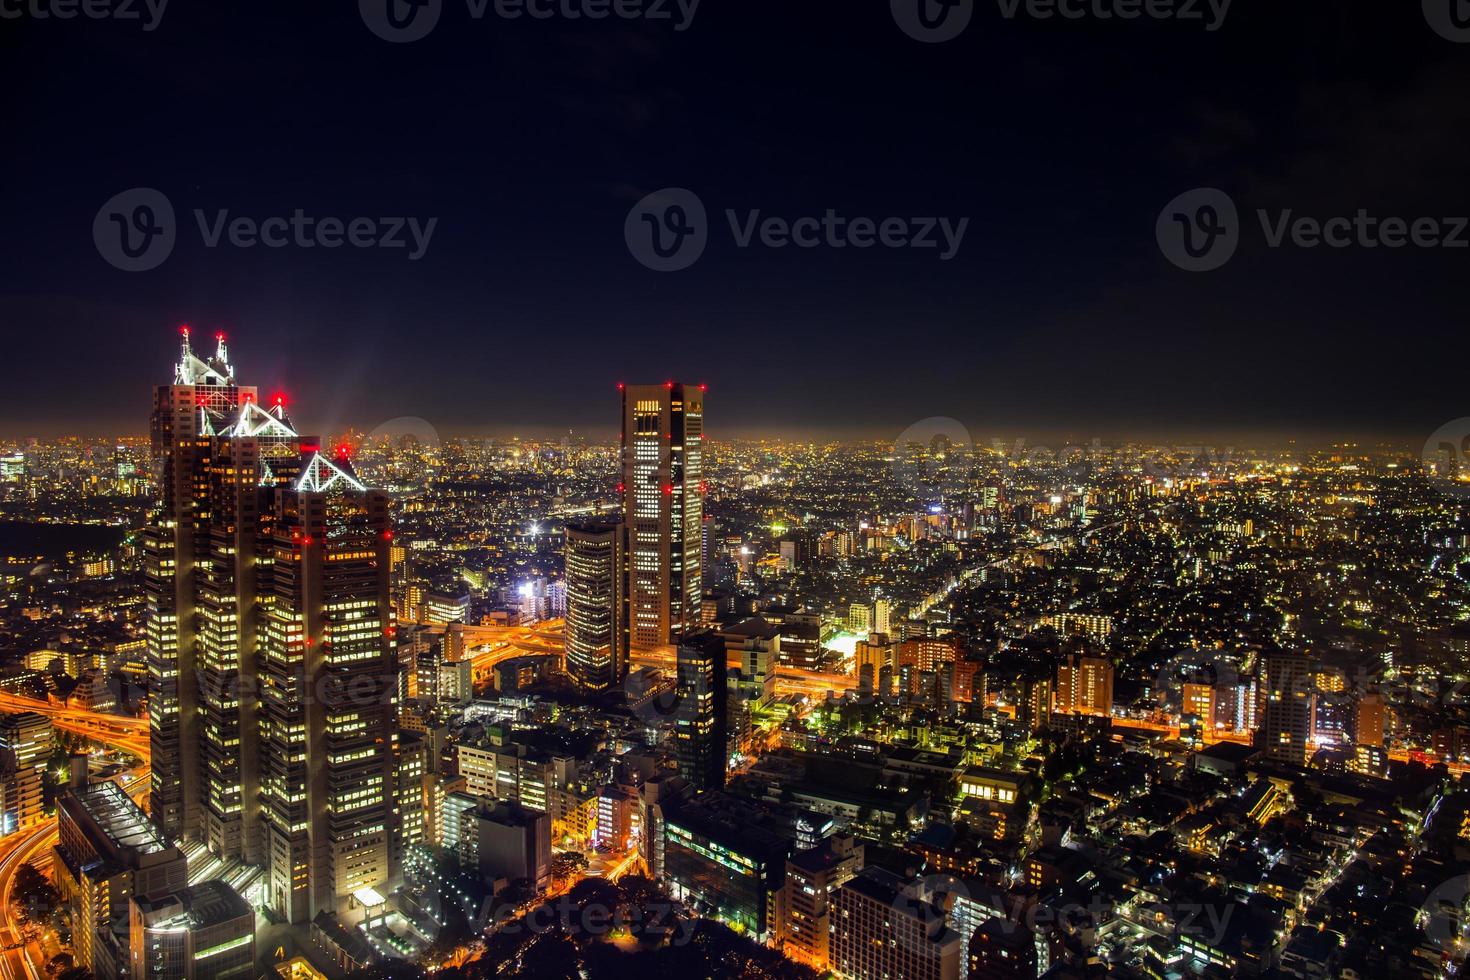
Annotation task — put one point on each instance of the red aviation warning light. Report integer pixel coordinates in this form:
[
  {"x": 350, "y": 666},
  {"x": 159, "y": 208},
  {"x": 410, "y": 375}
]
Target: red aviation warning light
[{"x": 184, "y": 331}]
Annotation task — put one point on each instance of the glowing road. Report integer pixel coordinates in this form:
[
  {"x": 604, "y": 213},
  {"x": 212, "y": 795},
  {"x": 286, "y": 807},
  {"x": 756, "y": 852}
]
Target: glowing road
[
  {"x": 34, "y": 843},
  {"x": 31, "y": 846},
  {"x": 117, "y": 731}
]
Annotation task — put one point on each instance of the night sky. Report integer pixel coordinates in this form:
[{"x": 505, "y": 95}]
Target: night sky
[{"x": 531, "y": 140}]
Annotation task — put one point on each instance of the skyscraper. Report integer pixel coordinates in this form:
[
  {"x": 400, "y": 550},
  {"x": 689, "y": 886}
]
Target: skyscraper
[
  {"x": 185, "y": 413},
  {"x": 595, "y": 656},
  {"x": 271, "y": 646},
  {"x": 1291, "y": 698},
  {"x": 328, "y": 695},
  {"x": 701, "y": 723},
  {"x": 663, "y": 510}
]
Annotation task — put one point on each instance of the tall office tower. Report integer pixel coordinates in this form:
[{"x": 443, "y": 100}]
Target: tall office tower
[
  {"x": 663, "y": 510},
  {"x": 328, "y": 696},
  {"x": 257, "y": 451},
  {"x": 701, "y": 724},
  {"x": 1084, "y": 686},
  {"x": 1290, "y": 696},
  {"x": 595, "y": 657},
  {"x": 271, "y": 646},
  {"x": 185, "y": 414}
]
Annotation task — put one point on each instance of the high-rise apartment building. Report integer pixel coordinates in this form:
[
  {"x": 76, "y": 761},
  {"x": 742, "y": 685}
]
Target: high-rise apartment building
[
  {"x": 271, "y": 647},
  {"x": 663, "y": 510},
  {"x": 803, "y": 904},
  {"x": 1084, "y": 686},
  {"x": 879, "y": 929},
  {"x": 701, "y": 722},
  {"x": 595, "y": 656},
  {"x": 1291, "y": 699}
]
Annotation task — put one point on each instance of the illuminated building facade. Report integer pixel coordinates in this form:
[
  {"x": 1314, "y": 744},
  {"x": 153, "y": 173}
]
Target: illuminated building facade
[
  {"x": 595, "y": 657},
  {"x": 1084, "y": 686},
  {"x": 271, "y": 646},
  {"x": 878, "y": 930},
  {"x": 185, "y": 413},
  {"x": 328, "y": 696},
  {"x": 701, "y": 724},
  {"x": 663, "y": 510},
  {"x": 1291, "y": 699}
]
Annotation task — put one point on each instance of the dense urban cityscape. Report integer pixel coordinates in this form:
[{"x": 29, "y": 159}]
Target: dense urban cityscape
[{"x": 381, "y": 704}]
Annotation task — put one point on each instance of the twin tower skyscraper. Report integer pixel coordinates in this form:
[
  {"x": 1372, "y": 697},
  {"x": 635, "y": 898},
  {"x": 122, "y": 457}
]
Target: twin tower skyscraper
[
  {"x": 272, "y": 666},
  {"x": 634, "y": 583}
]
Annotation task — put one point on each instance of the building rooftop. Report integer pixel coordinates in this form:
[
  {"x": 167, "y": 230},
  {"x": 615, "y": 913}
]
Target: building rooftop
[
  {"x": 120, "y": 818},
  {"x": 208, "y": 903}
]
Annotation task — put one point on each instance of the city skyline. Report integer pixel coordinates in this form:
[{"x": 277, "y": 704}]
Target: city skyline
[
  {"x": 977, "y": 432},
  {"x": 1069, "y": 580}
]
